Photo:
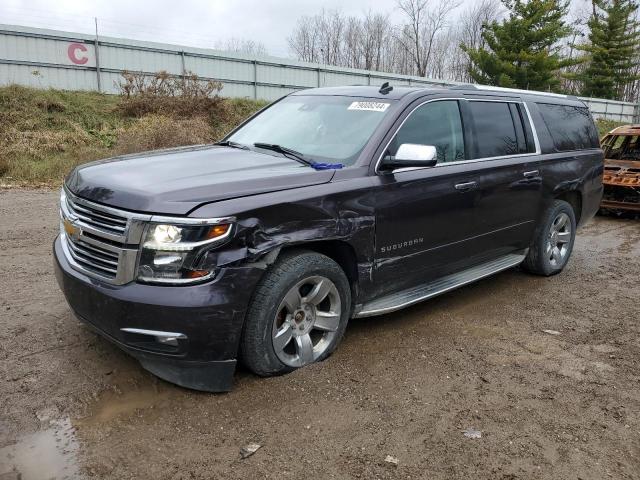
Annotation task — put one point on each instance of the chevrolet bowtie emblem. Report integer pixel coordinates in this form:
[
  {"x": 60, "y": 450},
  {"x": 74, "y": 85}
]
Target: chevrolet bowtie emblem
[{"x": 71, "y": 229}]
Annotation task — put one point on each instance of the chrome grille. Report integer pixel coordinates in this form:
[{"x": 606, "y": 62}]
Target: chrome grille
[
  {"x": 96, "y": 259},
  {"x": 99, "y": 241},
  {"x": 98, "y": 219}
]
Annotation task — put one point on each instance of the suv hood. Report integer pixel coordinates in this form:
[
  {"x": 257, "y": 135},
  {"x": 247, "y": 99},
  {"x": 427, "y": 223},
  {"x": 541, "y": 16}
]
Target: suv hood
[{"x": 178, "y": 180}]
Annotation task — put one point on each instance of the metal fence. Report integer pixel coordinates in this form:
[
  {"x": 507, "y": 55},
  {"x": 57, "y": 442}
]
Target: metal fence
[{"x": 73, "y": 61}]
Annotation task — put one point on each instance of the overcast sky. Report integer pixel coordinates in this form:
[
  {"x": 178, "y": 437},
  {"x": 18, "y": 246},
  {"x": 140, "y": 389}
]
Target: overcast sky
[{"x": 203, "y": 23}]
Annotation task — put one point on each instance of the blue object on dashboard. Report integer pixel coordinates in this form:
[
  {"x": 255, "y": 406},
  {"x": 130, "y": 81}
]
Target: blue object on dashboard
[{"x": 327, "y": 166}]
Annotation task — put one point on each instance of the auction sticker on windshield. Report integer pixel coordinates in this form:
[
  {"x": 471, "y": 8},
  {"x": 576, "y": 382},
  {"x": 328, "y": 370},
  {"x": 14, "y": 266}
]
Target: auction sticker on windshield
[{"x": 371, "y": 106}]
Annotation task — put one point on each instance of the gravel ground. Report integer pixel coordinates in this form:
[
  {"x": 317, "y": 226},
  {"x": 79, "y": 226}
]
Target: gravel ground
[{"x": 406, "y": 385}]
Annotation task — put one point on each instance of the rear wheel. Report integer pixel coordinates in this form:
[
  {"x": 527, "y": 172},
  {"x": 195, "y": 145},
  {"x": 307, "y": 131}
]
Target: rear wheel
[
  {"x": 298, "y": 314},
  {"x": 554, "y": 240}
]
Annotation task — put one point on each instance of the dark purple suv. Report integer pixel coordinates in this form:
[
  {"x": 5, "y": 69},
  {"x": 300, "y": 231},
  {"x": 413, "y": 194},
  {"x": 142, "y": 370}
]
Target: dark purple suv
[{"x": 328, "y": 204}]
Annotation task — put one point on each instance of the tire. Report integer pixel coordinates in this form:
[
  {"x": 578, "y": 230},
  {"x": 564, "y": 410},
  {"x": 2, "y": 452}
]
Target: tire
[
  {"x": 550, "y": 252},
  {"x": 298, "y": 314}
]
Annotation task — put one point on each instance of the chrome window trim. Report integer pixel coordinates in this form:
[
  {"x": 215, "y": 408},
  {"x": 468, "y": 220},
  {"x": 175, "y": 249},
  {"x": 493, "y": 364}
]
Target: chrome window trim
[
  {"x": 471, "y": 160},
  {"x": 534, "y": 131}
]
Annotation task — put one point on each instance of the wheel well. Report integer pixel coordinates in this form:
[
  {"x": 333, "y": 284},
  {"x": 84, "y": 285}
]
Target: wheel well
[
  {"x": 340, "y": 252},
  {"x": 574, "y": 199}
]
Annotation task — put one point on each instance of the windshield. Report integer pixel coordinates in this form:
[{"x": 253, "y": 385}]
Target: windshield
[{"x": 322, "y": 128}]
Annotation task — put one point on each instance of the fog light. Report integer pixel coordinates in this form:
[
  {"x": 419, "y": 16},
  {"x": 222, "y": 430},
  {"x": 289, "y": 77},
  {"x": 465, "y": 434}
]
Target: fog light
[{"x": 173, "y": 341}]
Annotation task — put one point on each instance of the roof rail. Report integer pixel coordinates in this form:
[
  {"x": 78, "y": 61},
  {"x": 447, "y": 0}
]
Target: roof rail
[{"x": 511, "y": 90}]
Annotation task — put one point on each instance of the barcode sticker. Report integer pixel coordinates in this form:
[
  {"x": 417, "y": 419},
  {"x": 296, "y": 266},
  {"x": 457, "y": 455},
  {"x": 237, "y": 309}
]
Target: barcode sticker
[{"x": 371, "y": 106}]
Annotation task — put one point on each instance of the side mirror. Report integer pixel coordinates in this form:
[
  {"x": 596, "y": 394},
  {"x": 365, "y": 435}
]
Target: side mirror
[{"x": 411, "y": 155}]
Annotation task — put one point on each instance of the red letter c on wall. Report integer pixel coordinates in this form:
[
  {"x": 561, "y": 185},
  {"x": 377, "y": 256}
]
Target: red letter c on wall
[{"x": 72, "y": 51}]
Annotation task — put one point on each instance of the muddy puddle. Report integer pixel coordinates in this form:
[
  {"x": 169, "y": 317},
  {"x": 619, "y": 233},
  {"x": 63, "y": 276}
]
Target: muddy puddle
[
  {"x": 51, "y": 453},
  {"x": 118, "y": 405}
]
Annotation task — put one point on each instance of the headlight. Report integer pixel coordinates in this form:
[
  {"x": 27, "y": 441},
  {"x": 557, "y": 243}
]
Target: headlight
[{"x": 171, "y": 253}]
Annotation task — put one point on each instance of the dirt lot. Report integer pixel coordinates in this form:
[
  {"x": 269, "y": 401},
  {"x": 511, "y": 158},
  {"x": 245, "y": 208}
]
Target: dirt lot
[{"x": 408, "y": 384}]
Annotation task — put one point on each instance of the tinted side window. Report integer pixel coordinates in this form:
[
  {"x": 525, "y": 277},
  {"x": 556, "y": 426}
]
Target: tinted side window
[
  {"x": 495, "y": 131},
  {"x": 571, "y": 127},
  {"x": 435, "y": 123}
]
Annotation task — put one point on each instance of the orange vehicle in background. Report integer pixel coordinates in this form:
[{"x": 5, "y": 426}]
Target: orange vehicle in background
[{"x": 622, "y": 169}]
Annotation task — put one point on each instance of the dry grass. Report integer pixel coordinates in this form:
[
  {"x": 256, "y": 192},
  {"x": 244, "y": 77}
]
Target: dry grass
[
  {"x": 46, "y": 133},
  {"x": 153, "y": 132},
  {"x": 605, "y": 126},
  {"x": 169, "y": 95}
]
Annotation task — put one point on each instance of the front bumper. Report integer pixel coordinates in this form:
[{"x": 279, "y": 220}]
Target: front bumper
[{"x": 208, "y": 318}]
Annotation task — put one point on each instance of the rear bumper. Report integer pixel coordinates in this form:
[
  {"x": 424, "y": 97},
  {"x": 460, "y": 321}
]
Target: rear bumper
[{"x": 207, "y": 319}]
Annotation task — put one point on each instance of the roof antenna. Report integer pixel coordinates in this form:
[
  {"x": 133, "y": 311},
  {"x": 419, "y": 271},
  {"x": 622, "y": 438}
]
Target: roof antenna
[{"x": 385, "y": 88}]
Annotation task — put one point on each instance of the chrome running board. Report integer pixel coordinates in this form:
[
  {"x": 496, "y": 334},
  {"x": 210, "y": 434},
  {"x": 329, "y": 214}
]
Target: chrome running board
[{"x": 399, "y": 300}]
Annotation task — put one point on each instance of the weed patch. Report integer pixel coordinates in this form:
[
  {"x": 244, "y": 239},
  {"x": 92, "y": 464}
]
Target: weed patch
[{"x": 46, "y": 133}]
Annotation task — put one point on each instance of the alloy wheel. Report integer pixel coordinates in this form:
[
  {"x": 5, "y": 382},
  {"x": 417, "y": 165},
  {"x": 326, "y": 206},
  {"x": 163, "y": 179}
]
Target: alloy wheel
[
  {"x": 306, "y": 321},
  {"x": 557, "y": 248}
]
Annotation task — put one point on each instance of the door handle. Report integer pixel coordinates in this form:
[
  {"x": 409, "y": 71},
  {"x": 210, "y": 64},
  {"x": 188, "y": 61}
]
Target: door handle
[
  {"x": 463, "y": 187},
  {"x": 531, "y": 174}
]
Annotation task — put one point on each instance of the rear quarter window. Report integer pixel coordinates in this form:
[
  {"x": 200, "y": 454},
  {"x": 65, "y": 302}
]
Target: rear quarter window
[{"x": 571, "y": 128}]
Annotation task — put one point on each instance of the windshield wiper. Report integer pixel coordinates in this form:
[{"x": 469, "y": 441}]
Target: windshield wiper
[
  {"x": 298, "y": 157},
  {"x": 287, "y": 152},
  {"x": 229, "y": 143}
]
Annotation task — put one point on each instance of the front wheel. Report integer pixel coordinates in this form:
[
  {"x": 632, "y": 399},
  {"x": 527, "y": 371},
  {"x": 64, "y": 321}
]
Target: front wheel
[
  {"x": 554, "y": 240},
  {"x": 298, "y": 314}
]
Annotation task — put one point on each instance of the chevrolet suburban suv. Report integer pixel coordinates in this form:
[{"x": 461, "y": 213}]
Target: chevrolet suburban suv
[{"x": 328, "y": 204}]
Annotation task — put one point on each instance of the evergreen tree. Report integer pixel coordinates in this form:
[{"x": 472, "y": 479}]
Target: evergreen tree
[
  {"x": 523, "y": 50},
  {"x": 612, "y": 51}
]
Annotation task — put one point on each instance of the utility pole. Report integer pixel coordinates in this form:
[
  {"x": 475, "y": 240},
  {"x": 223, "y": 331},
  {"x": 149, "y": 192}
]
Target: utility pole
[{"x": 97, "y": 52}]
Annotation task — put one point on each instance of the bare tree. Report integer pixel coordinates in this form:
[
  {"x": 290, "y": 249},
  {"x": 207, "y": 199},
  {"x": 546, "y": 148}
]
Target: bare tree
[
  {"x": 473, "y": 20},
  {"x": 352, "y": 51},
  {"x": 424, "y": 44},
  {"x": 443, "y": 48},
  {"x": 425, "y": 21},
  {"x": 330, "y": 26},
  {"x": 410, "y": 35},
  {"x": 241, "y": 45},
  {"x": 468, "y": 31},
  {"x": 376, "y": 32}
]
